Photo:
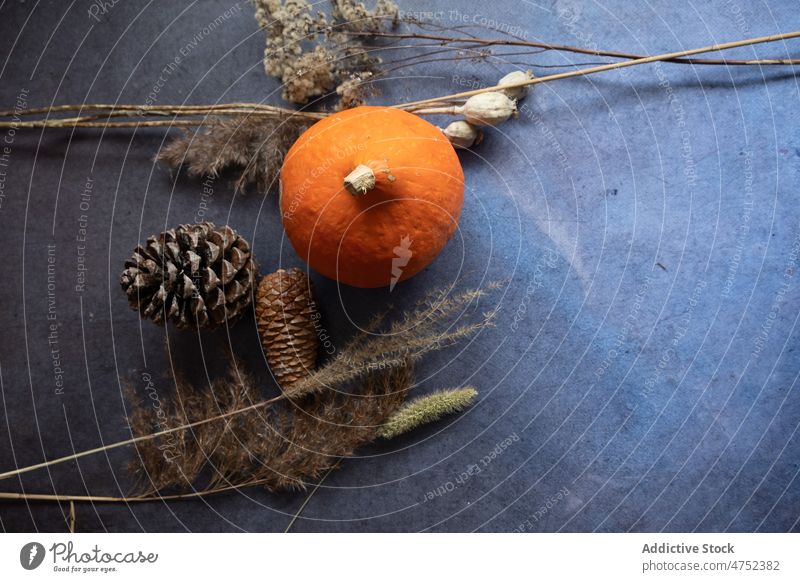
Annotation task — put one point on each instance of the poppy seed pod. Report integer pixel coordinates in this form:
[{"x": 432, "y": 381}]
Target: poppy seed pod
[
  {"x": 462, "y": 135},
  {"x": 488, "y": 108},
  {"x": 515, "y": 77}
]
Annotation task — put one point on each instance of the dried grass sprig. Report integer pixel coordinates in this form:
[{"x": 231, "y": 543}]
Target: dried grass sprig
[{"x": 427, "y": 409}]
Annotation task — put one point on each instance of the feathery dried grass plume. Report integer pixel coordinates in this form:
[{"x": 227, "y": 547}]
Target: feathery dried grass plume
[
  {"x": 281, "y": 448},
  {"x": 255, "y": 144},
  {"x": 427, "y": 409},
  {"x": 323, "y": 418},
  {"x": 433, "y": 324},
  {"x": 312, "y": 54}
]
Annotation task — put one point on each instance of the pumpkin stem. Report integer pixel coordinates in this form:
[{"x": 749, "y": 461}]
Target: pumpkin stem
[{"x": 360, "y": 181}]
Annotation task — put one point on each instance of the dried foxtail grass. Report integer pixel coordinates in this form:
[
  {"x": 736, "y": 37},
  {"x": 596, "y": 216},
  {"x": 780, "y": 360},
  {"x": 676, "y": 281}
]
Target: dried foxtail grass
[
  {"x": 427, "y": 409},
  {"x": 323, "y": 419}
]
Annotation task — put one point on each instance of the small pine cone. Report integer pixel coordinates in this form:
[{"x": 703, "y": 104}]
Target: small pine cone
[
  {"x": 194, "y": 275},
  {"x": 286, "y": 315}
]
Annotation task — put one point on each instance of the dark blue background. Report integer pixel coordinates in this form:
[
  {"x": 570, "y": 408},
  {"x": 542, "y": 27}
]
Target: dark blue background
[{"x": 643, "y": 367}]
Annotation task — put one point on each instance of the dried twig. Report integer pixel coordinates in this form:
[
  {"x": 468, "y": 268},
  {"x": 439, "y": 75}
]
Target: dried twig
[
  {"x": 164, "y": 109},
  {"x": 175, "y": 113}
]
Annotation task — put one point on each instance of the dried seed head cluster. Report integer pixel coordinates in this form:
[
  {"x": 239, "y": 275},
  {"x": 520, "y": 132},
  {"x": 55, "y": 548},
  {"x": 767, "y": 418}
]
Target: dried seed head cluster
[
  {"x": 355, "y": 16},
  {"x": 353, "y": 91},
  {"x": 312, "y": 54}
]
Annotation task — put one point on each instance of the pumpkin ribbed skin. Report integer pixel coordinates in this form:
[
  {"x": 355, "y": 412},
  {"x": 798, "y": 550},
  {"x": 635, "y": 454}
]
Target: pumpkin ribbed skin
[{"x": 394, "y": 230}]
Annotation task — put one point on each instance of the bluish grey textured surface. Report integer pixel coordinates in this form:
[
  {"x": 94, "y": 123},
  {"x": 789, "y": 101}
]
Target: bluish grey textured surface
[{"x": 642, "y": 375}]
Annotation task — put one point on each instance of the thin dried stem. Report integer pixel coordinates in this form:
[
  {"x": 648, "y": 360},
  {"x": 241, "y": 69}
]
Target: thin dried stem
[
  {"x": 487, "y": 42},
  {"x": 162, "y": 109},
  {"x": 424, "y": 103},
  {"x": 309, "y": 496},
  {"x": 151, "y": 498},
  {"x": 70, "y": 123},
  {"x": 174, "y": 112},
  {"x": 124, "y": 499},
  {"x": 140, "y": 439},
  {"x": 444, "y": 110}
]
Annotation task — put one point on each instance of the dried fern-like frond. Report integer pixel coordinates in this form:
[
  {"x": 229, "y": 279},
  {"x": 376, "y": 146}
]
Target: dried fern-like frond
[
  {"x": 427, "y": 409},
  {"x": 254, "y": 144}
]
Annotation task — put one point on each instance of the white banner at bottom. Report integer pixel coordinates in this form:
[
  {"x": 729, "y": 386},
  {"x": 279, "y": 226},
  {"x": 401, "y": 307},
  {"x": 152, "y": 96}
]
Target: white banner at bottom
[{"x": 390, "y": 557}]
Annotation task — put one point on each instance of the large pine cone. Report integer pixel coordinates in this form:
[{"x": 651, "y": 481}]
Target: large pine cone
[
  {"x": 194, "y": 275},
  {"x": 286, "y": 316}
]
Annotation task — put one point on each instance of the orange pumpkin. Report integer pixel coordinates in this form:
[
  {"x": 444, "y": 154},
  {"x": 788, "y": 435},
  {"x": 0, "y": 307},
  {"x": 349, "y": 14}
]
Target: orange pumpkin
[{"x": 370, "y": 195}]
